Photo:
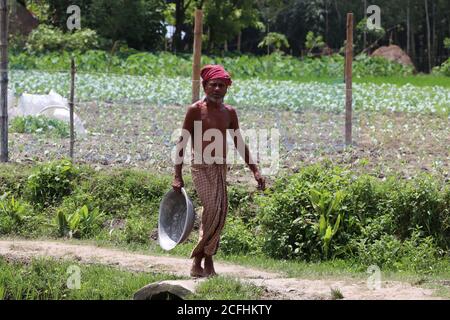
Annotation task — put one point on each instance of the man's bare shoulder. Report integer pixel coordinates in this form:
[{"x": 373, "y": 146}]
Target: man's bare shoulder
[
  {"x": 195, "y": 106},
  {"x": 230, "y": 109}
]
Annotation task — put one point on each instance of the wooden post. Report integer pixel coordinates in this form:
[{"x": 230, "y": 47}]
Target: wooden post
[
  {"x": 4, "y": 80},
  {"x": 197, "y": 55},
  {"x": 348, "y": 80},
  {"x": 71, "y": 106}
]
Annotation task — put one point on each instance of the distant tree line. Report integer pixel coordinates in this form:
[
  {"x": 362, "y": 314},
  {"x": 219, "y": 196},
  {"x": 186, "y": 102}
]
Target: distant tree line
[{"x": 419, "y": 27}]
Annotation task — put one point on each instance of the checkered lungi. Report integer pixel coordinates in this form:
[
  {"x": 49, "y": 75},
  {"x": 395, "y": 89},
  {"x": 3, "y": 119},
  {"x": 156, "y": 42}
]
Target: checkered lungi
[{"x": 210, "y": 184}]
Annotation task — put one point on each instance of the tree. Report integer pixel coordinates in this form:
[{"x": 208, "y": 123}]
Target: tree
[
  {"x": 274, "y": 39},
  {"x": 225, "y": 19},
  {"x": 137, "y": 22},
  {"x": 312, "y": 42},
  {"x": 181, "y": 7}
]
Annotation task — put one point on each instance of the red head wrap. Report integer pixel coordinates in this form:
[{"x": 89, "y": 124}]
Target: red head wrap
[{"x": 215, "y": 71}]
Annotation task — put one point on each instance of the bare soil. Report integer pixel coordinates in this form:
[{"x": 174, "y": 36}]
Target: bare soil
[{"x": 135, "y": 135}]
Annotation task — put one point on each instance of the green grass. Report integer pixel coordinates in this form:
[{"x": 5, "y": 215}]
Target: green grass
[
  {"x": 226, "y": 288},
  {"x": 333, "y": 269},
  {"x": 336, "y": 294},
  {"x": 132, "y": 198},
  {"x": 44, "y": 279}
]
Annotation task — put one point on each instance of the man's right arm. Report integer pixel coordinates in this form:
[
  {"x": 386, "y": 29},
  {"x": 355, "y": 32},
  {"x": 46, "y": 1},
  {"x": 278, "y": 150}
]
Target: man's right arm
[{"x": 187, "y": 132}]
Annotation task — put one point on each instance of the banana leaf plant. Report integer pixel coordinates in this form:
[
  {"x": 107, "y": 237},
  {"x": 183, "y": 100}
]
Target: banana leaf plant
[{"x": 326, "y": 205}]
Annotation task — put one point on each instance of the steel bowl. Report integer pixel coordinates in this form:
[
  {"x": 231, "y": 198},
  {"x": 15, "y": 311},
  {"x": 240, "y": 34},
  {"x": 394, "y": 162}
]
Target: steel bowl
[{"x": 176, "y": 219}]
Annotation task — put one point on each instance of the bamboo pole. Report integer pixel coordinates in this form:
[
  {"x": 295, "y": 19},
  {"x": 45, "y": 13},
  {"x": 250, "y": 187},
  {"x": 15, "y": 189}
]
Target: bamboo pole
[
  {"x": 348, "y": 80},
  {"x": 197, "y": 55},
  {"x": 71, "y": 106},
  {"x": 4, "y": 80}
]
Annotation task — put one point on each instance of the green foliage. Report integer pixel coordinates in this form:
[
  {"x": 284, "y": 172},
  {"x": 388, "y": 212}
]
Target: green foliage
[
  {"x": 226, "y": 18},
  {"x": 323, "y": 212},
  {"x": 422, "y": 204},
  {"x": 46, "y": 38},
  {"x": 447, "y": 43},
  {"x": 12, "y": 215},
  {"x": 44, "y": 279},
  {"x": 17, "y": 217},
  {"x": 40, "y": 124},
  {"x": 378, "y": 66},
  {"x": 274, "y": 39},
  {"x": 225, "y": 288},
  {"x": 237, "y": 238},
  {"x": 372, "y": 34},
  {"x": 273, "y": 66},
  {"x": 326, "y": 206},
  {"x": 137, "y": 230},
  {"x": 291, "y": 225},
  {"x": 443, "y": 69},
  {"x": 50, "y": 182},
  {"x": 418, "y": 253},
  {"x": 40, "y": 9},
  {"x": 83, "y": 223},
  {"x": 241, "y": 203},
  {"x": 138, "y": 23},
  {"x": 116, "y": 192},
  {"x": 13, "y": 179},
  {"x": 313, "y": 42}
]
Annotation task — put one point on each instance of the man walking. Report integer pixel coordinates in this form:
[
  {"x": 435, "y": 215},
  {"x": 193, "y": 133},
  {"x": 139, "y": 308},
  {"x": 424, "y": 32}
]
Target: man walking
[{"x": 209, "y": 166}]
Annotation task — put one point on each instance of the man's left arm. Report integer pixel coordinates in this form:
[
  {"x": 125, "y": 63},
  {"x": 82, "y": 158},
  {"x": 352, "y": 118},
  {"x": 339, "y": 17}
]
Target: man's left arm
[{"x": 244, "y": 151}]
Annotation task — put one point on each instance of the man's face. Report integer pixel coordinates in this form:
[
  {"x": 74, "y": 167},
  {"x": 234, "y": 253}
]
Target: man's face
[{"x": 216, "y": 90}]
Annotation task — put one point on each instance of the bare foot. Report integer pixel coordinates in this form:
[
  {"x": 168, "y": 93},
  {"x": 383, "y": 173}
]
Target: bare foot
[
  {"x": 209, "y": 267},
  {"x": 197, "y": 270}
]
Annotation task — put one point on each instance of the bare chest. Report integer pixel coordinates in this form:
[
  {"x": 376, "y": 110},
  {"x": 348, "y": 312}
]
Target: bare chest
[{"x": 215, "y": 119}]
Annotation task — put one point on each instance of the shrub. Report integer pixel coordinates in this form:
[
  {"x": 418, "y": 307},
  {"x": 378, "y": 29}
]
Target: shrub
[
  {"x": 290, "y": 225},
  {"x": 52, "y": 181},
  {"x": 378, "y": 66},
  {"x": 13, "y": 179},
  {"x": 299, "y": 220},
  {"x": 83, "y": 223},
  {"x": 418, "y": 253},
  {"x": 116, "y": 192},
  {"x": 46, "y": 38},
  {"x": 420, "y": 203},
  {"x": 137, "y": 230},
  {"x": 241, "y": 203},
  {"x": 17, "y": 217},
  {"x": 237, "y": 238},
  {"x": 12, "y": 215},
  {"x": 383, "y": 252},
  {"x": 443, "y": 69}
]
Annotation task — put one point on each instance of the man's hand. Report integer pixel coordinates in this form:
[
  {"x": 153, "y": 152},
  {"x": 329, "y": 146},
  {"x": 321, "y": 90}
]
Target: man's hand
[
  {"x": 260, "y": 179},
  {"x": 177, "y": 184}
]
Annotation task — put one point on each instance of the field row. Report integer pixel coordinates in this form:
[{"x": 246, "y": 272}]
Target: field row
[{"x": 289, "y": 95}]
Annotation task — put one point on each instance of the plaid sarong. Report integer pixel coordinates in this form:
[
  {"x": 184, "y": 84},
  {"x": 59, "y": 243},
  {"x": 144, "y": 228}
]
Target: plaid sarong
[{"x": 210, "y": 184}]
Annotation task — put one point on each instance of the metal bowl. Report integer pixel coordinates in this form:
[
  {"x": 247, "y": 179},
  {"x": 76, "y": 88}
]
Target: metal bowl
[{"x": 176, "y": 219}]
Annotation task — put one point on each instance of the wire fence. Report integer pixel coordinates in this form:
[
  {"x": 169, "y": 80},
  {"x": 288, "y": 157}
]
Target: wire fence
[{"x": 132, "y": 121}]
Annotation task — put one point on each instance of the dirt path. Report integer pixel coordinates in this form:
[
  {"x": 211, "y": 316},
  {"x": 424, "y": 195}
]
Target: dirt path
[{"x": 277, "y": 286}]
